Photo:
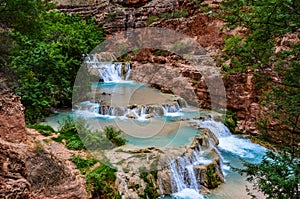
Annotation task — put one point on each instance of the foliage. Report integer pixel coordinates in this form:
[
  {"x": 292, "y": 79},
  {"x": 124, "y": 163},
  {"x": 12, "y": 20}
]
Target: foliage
[
  {"x": 152, "y": 19},
  {"x": 83, "y": 164},
  {"x": 231, "y": 121},
  {"x": 174, "y": 14},
  {"x": 213, "y": 178},
  {"x": 254, "y": 49},
  {"x": 262, "y": 23},
  {"x": 21, "y": 15},
  {"x": 285, "y": 96},
  {"x": 78, "y": 136},
  {"x": 47, "y": 64},
  {"x": 100, "y": 180},
  {"x": 277, "y": 176},
  {"x": 150, "y": 178},
  {"x": 113, "y": 135},
  {"x": 45, "y": 130},
  {"x": 69, "y": 133}
]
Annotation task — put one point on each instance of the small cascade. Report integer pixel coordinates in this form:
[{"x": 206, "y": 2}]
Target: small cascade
[
  {"x": 114, "y": 71},
  {"x": 218, "y": 128},
  {"x": 231, "y": 143},
  {"x": 109, "y": 71},
  {"x": 138, "y": 111},
  {"x": 183, "y": 174},
  {"x": 106, "y": 110},
  {"x": 171, "y": 108}
]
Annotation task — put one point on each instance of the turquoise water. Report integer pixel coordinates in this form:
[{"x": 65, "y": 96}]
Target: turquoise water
[
  {"x": 171, "y": 130},
  {"x": 169, "y": 133}
]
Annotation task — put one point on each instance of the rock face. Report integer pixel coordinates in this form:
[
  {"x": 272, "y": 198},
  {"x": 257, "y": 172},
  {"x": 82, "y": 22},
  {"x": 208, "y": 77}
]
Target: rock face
[
  {"x": 120, "y": 15},
  {"x": 30, "y": 168},
  {"x": 131, "y": 3},
  {"x": 33, "y": 172},
  {"x": 12, "y": 122},
  {"x": 149, "y": 171}
]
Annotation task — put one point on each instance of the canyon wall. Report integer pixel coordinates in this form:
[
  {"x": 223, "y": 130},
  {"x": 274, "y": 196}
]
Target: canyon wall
[
  {"x": 122, "y": 15},
  {"x": 29, "y": 166}
]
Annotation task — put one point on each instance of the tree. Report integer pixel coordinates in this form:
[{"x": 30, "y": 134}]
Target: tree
[
  {"x": 277, "y": 176},
  {"x": 263, "y": 25},
  {"x": 21, "y": 16},
  {"x": 47, "y": 64}
]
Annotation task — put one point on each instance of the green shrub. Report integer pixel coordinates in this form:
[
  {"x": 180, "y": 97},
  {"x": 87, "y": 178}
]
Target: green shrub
[
  {"x": 78, "y": 136},
  {"x": 45, "y": 130},
  {"x": 152, "y": 19},
  {"x": 113, "y": 135},
  {"x": 231, "y": 121},
  {"x": 83, "y": 164},
  {"x": 213, "y": 178},
  {"x": 47, "y": 63},
  {"x": 100, "y": 181},
  {"x": 69, "y": 133},
  {"x": 175, "y": 14}
]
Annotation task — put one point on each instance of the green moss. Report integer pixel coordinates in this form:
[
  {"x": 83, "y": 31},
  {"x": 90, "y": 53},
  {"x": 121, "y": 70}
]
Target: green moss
[
  {"x": 213, "y": 178},
  {"x": 231, "y": 121},
  {"x": 100, "y": 182},
  {"x": 126, "y": 170}
]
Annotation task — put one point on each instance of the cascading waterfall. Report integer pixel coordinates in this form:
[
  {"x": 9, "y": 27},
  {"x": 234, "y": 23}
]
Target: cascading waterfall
[
  {"x": 184, "y": 182},
  {"x": 139, "y": 112},
  {"x": 109, "y": 71},
  {"x": 114, "y": 71}
]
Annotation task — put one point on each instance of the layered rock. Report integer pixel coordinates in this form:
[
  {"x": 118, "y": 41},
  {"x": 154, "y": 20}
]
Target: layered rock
[
  {"x": 33, "y": 172},
  {"x": 120, "y": 15},
  {"x": 30, "y": 168},
  {"x": 12, "y": 122},
  {"x": 131, "y": 3}
]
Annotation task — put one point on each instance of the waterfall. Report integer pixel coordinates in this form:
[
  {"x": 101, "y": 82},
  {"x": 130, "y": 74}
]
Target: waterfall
[
  {"x": 138, "y": 112},
  {"x": 171, "y": 108},
  {"x": 109, "y": 71},
  {"x": 114, "y": 71},
  {"x": 106, "y": 110},
  {"x": 184, "y": 182},
  {"x": 218, "y": 128}
]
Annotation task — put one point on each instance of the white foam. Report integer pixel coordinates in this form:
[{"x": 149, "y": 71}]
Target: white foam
[
  {"x": 187, "y": 194},
  {"x": 239, "y": 146}
]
